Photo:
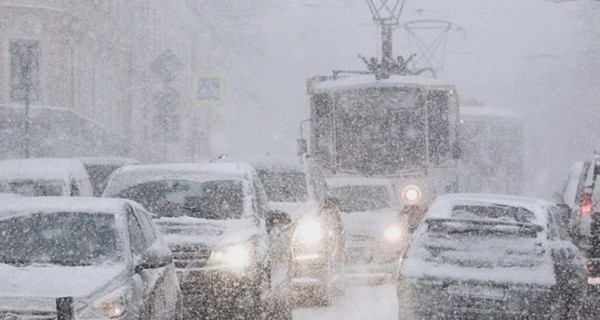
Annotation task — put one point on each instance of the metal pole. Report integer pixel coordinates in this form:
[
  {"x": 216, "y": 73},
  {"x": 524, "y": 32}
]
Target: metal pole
[
  {"x": 64, "y": 309},
  {"x": 387, "y": 58}
]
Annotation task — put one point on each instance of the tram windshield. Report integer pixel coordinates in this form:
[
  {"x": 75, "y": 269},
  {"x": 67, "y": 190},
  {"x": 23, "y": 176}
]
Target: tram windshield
[{"x": 374, "y": 130}]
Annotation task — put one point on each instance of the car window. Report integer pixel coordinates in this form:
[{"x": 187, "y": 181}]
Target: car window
[
  {"x": 136, "y": 235},
  {"x": 149, "y": 231},
  {"x": 75, "y": 189},
  {"x": 284, "y": 186}
]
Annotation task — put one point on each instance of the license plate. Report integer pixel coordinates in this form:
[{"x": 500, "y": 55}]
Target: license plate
[{"x": 487, "y": 292}]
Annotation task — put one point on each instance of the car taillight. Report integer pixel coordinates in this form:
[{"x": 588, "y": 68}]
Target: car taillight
[{"x": 586, "y": 204}]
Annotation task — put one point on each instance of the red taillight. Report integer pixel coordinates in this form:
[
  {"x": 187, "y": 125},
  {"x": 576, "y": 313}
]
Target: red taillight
[{"x": 586, "y": 204}]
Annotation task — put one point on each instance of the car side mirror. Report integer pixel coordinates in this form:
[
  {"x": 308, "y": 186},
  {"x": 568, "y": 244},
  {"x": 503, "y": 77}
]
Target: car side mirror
[
  {"x": 154, "y": 258},
  {"x": 331, "y": 203},
  {"x": 277, "y": 218}
]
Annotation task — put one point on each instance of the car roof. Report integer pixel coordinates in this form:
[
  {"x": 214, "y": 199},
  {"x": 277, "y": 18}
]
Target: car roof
[
  {"x": 18, "y": 206},
  {"x": 442, "y": 207},
  {"x": 129, "y": 176},
  {"x": 278, "y": 163},
  {"x": 107, "y": 161},
  {"x": 42, "y": 168}
]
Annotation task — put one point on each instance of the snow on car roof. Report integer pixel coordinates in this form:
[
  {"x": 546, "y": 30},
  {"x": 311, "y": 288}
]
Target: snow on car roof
[
  {"x": 62, "y": 204},
  {"x": 41, "y": 168},
  {"x": 132, "y": 175},
  {"x": 107, "y": 161},
  {"x": 342, "y": 182},
  {"x": 369, "y": 81},
  {"x": 277, "y": 163},
  {"x": 442, "y": 207}
]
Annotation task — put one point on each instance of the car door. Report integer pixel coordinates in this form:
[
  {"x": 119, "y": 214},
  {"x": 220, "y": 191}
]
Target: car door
[{"x": 162, "y": 285}]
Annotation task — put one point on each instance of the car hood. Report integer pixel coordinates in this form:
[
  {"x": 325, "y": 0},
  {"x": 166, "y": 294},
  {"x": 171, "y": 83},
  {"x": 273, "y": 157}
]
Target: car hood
[
  {"x": 183, "y": 231},
  {"x": 36, "y": 287},
  {"x": 370, "y": 221},
  {"x": 296, "y": 210}
]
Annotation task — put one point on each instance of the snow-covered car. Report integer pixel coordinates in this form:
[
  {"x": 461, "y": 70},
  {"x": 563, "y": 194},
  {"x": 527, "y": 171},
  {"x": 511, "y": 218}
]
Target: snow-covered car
[
  {"x": 106, "y": 254},
  {"x": 299, "y": 189},
  {"x": 491, "y": 256},
  {"x": 215, "y": 218},
  {"x": 375, "y": 230},
  {"x": 582, "y": 212},
  {"x": 100, "y": 169},
  {"x": 44, "y": 177}
]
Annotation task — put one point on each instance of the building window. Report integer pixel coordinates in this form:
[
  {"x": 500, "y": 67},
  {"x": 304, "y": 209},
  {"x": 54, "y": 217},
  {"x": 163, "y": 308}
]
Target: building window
[{"x": 25, "y": 70}]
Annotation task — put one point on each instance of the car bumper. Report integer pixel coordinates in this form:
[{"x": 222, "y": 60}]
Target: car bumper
[
  {"x": 437, "y": 300},
  {"x": 217, "y": 291}
]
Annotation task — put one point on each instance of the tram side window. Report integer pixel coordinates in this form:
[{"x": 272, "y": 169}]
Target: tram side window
[{"x": 439, "y": 125}]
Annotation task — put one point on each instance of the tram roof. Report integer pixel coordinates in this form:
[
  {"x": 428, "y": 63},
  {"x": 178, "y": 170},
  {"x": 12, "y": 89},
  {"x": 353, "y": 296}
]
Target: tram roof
[{"x": 369, "y": 81}]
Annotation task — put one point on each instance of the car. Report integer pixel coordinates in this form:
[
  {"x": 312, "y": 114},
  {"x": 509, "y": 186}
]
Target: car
[
  {"x": 581, "y": 214},
  {"x": 376, "y": 231},
  {"x": 104, "y": 254},
  {"x": 100, "y": 169},
  {"x": 491, "y": 256},
  {"x": 298, "y": 188},
  {"x": 44, "y": 177},
  {"x": 216, "y": 220}
]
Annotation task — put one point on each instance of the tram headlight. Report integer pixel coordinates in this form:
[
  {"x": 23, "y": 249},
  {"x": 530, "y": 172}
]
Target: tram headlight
[{"x": 411, "y": 194}]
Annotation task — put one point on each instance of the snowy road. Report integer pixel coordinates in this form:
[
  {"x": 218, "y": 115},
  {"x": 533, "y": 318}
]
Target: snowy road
[{"x": 375, "y": 303}]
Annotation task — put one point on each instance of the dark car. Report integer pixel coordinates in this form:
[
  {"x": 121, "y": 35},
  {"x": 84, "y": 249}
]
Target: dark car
[
  {"x": 106, "y": 254},
  {"x": 491, "y": 256},
  {"x": 215, "y": 218},
  {"x": 100, "y": 170},
  {"x": 299, "y": 189}
]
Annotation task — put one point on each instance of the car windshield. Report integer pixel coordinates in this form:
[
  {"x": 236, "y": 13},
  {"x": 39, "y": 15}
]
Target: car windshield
[
  {"x": 33, "y": 188},
  {"x": 287, "y": 186},
  {"x": 61, "y": 238},
  {"x": 362, "y": 198},
  {"x": 99, "y": 175},
  {"x": 216, "y": 199}
]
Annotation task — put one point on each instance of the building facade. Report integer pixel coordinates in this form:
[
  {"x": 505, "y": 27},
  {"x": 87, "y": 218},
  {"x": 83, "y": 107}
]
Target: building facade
[{"x": 130, "y": 66}]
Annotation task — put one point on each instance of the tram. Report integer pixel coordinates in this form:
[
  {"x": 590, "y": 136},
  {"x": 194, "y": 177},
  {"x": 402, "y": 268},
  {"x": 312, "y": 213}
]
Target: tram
[{"x": 492, "y": 144}]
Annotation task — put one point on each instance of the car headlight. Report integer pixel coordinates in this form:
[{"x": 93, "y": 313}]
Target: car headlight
[
  {"x": 411, "y": 194},
  {"x": 392, "y": 233},
  {"x": 308, "y": 231},
  {"x": 234, "y": 256},
  {"x": 113, "y": 305}
]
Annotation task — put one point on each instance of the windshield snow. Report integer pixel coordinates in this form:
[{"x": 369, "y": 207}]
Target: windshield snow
[
  {"x": 62, "y": 238},
  {"x": 216, "y": 200}
]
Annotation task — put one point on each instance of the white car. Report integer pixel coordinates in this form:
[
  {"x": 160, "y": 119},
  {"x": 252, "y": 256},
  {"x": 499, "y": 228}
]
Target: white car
[
  {"x": 216, "y": 220},
  {"x": 488, "y": 257},
  {"x": 45, "y": 177},
  {"x": 376, "y": 231},
  {"x": 105, "y": 254},
  {"x": 100, "y": 170},
  {"x": 299, "y": 189}
]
